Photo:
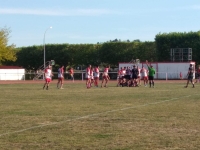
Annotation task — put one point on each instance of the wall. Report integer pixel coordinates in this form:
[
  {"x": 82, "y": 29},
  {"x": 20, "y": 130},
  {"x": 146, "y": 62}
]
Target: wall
[
  {"x": 12, "y": 74},
  {"x": 165, "y": 70}
]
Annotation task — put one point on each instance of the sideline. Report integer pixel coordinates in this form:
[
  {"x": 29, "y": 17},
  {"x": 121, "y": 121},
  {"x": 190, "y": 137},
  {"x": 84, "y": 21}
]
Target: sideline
[{"x": 91, "y": 115}]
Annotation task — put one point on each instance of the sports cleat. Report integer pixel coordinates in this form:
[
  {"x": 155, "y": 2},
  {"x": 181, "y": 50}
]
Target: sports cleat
[{"x": 185, "y": 86}]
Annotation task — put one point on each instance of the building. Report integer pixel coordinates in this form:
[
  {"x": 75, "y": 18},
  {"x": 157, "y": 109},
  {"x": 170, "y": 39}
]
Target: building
[{"x": 12, "y": 73}]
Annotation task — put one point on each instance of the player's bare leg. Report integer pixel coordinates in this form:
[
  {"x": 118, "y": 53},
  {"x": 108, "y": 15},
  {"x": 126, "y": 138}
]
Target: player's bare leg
[
  {"x": 97, "y": 82},
  {"x": 44, "y": 86},
  {"x": 88, "y": 84},
  {"x": 58, "y": 84},
  {"x": 102, "y": 82},
  {"x": 119, "y": 81},
  {"x": 47, "y": 85},
  {"x": 106, "y": 81},
  {"x": 61, "y": 84},
  {"x": 139, "y": 84}
]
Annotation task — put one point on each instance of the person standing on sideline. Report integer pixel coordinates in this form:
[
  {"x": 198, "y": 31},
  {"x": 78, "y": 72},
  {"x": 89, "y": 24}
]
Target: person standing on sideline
[
  {"x": 60, "y": 77},
  {"x": 88, "y": 76},
  {"x": 198, "y": 75},
  {"x": 190, "y": 76},
  {"x": 151, "y": 74},
  {"x": 71, "y": 72},
  {"x": 96, "y": 76},
  {"x": 105, "y": 76},
  {"x": 47, "y": 74}
]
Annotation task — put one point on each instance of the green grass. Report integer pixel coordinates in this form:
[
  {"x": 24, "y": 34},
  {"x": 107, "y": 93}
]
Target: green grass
[{"x": 164, "y": 117}]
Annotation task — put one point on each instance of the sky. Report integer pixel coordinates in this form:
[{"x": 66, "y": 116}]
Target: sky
[{"x": 93, "y": 21}]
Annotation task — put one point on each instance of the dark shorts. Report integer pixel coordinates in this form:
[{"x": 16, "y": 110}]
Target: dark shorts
[
  {"x": 134, "y": 76},
  {"x": 190, "y": 77},
  {"x": 127, "y": 77},
  {"x": 151, "y": 77}
]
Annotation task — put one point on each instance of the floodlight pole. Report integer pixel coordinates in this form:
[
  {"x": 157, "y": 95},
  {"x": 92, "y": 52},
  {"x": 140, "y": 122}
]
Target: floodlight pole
[{"x": 44, "y": 45}]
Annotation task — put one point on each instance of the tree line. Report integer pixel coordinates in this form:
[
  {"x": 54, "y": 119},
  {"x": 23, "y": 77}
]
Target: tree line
[
  {"x": 111, "y": 52},
  {"x": 81, "y": 55}
]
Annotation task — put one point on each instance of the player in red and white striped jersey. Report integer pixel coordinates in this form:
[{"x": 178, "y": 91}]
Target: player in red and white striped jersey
[
  {"x": 60, "y": 77},
  {"x": 47, "y": 74},
  {"x": 88, "y": 76},
  {"x": 105, "y": 76},
  {"x": 96, "y": 76},
  {"x": 144, "y": 73}
]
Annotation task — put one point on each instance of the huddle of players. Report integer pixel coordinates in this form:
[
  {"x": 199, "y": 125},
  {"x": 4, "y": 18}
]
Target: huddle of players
[
  {"x": 131, "y": 77},
  {"x": 92, "y": 76}
]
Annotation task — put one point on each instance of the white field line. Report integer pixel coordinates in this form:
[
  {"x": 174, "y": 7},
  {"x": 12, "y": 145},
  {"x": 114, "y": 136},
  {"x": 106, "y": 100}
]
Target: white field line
[{"x": 91, "y": 115}]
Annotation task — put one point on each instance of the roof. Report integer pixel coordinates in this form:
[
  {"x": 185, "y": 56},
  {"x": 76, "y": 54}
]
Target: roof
[{"x": 10, "y": 67}]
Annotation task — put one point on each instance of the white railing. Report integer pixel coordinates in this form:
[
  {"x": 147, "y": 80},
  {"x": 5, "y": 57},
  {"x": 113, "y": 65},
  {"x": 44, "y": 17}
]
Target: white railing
[{"x": 81, "y": 76}]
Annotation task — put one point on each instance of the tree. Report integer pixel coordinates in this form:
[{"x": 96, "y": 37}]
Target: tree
[
  {"x": 7, "y": 52},
  {"x": 166, "y": 41}
]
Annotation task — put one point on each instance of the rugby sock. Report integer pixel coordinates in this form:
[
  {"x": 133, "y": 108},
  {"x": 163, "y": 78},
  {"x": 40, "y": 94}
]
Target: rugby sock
[
  {"x": 153, "y": 83},
  {"x": 150, "y": 84}
]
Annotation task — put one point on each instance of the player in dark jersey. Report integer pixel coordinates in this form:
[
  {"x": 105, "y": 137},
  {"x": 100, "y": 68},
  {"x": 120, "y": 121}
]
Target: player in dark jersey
[
  {"x": 135, "y": 73},
  {"x": 190, "y": 76}
]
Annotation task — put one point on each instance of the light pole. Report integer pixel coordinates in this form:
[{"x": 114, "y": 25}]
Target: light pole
[{"x": 44, "y": 44}]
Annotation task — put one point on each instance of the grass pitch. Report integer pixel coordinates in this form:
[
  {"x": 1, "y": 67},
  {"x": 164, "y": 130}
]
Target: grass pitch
[{"x": 113, "y": 118}]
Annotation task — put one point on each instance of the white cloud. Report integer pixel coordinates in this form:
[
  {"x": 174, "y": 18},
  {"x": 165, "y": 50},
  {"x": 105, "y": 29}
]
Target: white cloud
[
  {"x": 72, "y": 12},
  {"x": 191, "y": 7}
]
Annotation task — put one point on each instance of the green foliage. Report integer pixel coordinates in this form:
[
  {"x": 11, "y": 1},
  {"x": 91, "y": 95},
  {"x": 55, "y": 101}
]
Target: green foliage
[
  {"x": 30, "y": 58},
  {"x": 164, "y": 42},
  {"x": 112, "y": 52},
  {"x": 7, "y": 52}
]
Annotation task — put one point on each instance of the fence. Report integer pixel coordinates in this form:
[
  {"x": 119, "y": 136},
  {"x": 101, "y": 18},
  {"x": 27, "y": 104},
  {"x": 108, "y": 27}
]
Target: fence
[{"x": 81, "y": 76}]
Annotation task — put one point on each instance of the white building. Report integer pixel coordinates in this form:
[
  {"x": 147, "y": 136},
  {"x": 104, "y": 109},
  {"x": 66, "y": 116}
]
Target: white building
[
  {"x": 12, "y": 73},
  {"x": 165, "y": 70}
]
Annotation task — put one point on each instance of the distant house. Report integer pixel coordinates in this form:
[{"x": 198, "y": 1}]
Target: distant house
[{"x": 12, "y": 73}]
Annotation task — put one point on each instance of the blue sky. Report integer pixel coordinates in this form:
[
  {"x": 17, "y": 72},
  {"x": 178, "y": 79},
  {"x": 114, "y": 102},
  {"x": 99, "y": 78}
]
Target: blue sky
[{"x": 92, "y": 21}]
